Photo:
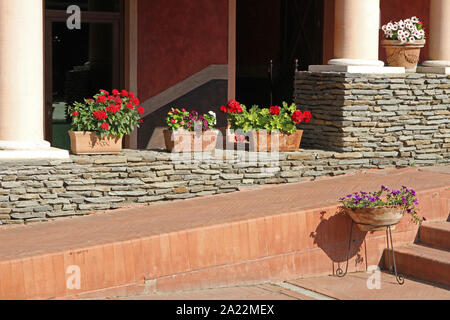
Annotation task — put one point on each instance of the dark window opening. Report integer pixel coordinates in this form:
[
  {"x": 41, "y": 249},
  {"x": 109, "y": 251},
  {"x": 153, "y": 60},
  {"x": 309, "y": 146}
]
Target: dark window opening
[{"x": 281, "y": 31}]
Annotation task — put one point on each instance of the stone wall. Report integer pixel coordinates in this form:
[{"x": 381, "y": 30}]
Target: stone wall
[
  {"x": 44, "y": 190},
  {"x": 403, "y": 116}
]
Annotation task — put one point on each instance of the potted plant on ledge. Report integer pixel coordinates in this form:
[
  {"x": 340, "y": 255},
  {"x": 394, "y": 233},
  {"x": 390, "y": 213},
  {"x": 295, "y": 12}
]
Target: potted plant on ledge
[
  {"x": 373, "y": 211},
  {"x": 190, "y": 131},
  {"x": 404, "y": 39},
  {"x": 268, "y": 129},
  {"x": 99, "y": 124}
]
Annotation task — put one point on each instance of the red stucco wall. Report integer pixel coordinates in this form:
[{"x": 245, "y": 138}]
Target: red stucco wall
[{"x": 178, "y": 38}]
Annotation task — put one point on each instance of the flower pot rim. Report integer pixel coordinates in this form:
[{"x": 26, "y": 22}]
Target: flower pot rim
[
  {"x": 379, "y": 207},
  {"x": 182, "y": 130},
  {"x": 398, "y": 43},
  {"x": 80, "y": 133}
]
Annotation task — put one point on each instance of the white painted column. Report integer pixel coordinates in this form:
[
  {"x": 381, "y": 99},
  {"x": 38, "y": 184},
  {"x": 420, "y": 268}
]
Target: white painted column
[
  {"x": 21, "y": 75},
  {"x": 356, "y": 40},
  {"x": 439, "y": 34}
]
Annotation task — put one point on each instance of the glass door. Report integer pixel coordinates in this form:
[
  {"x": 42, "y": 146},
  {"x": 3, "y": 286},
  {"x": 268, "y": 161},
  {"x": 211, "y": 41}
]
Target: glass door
[{"x": 79, "y": 62}]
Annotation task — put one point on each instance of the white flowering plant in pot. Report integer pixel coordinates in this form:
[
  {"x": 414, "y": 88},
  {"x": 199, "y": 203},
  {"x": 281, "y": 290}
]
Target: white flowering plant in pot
[
  {"x": 404, "y": 40},
  {"x": 408, "y": 30}
]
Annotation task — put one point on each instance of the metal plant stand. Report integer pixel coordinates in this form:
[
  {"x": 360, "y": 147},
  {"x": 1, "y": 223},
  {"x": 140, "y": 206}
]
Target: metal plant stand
[{"x": 390, "y": 247}]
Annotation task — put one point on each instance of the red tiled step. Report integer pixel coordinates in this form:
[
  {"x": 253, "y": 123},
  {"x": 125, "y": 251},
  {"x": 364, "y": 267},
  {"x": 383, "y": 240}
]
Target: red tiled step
[
  {"x": 423, "y": 262},
  {"x": 436, "y": 234}
]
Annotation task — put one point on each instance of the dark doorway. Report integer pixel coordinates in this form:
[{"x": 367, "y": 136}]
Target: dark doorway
[
  {"x": 79, "y": 62},
  {"x": 281, "y": 31}
]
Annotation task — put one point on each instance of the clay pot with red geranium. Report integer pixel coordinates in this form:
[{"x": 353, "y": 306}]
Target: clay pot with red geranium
[
  {"x": 99, "y": 124},
  {"x": 266, "y": 129}
]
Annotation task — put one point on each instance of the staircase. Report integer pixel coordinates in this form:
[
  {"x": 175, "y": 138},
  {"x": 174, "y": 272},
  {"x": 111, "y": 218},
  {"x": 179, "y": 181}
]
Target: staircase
[{"x": 429, "y": 258}]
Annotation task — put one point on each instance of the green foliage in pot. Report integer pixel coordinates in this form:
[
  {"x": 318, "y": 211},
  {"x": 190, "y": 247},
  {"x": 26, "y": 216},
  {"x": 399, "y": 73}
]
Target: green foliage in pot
[{"x": 283, "y": 119}]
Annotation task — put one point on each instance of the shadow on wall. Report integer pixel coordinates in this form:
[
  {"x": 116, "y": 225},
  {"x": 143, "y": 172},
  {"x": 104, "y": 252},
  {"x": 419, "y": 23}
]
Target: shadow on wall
[
  {"x": 335, "y": 244},
  {"x": 208, "y": 97}
]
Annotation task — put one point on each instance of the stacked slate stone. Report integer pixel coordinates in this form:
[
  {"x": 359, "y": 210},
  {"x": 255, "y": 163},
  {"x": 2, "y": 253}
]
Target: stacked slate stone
[
  {"x": 404, "y": 117},
  {"x": 38, "y": 191}
]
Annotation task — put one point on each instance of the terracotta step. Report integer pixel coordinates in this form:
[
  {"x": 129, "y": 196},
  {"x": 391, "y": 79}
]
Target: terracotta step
[
  {"x": 436, "y": 234},
  {"x": 423, "y": 262}
]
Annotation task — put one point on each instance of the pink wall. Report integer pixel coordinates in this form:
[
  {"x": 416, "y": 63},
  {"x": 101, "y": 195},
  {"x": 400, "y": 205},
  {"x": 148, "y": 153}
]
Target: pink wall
[{"x": 178, "y": 38}]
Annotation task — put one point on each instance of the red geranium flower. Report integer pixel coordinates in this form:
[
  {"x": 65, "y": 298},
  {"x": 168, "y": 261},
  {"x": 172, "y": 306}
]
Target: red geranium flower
[
  {"x": 100, "y": 115},
  {"x": 307, "y": 116},
  {"x": 130, "y": 106},
  {"x": 234, "y": 107},
  {"x": 141, "y": 110},
  {"x": 224, "y": 109},
  {"x": 112, "y": 108},
  {"x": 105, "y": 126},
  {"x": 131, "y": 95},
  {"x": 110, "y": 98},
  {"x": 297, "y": 116},
  {"x": 101, "y": 99},
  {"x": 275, "y": 111},
  {"x": 115, "y": 92},
  {"x": 124, "y": 93},
  {"x": 118, "y": 100},
  {"x": 106, "y": 93},
  {"x": 75, "y": 114}
]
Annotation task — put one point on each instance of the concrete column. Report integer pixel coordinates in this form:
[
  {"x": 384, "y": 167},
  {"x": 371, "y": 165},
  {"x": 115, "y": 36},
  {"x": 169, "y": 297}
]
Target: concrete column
[
  {"x": 439, "y": 34},
  {"x": 21, "y": 75},
  {"x": 356, "y": 40}
]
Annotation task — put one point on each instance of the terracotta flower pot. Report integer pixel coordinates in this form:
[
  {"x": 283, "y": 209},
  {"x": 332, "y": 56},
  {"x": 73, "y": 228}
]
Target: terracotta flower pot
[
  {"x": 373, "y": 219},
  {"x": 265, "y": 141},
  {"x": 186, "y": 141},
  {"x": 405, "y": 55},
  {"x": 89, "y": 143}
]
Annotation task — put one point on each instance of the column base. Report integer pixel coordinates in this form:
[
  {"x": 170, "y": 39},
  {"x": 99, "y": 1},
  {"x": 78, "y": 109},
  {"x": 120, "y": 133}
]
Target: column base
[
  {"x": 357, "y": 69},
  {"x": 18, "y": 150},
  {"x": 38, "y": 154},
  {"x": 436, "y": 70},
  {"x": 23, "y": 145},
  {"x": 436, "y": 63}
]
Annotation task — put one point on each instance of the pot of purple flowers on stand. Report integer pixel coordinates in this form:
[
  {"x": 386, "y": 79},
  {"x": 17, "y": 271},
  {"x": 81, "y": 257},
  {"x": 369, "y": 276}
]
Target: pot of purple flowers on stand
[{"x": 382, "y": 210}]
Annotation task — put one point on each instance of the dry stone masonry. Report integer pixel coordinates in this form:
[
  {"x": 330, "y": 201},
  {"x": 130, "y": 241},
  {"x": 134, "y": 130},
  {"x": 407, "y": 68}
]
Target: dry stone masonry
[
  {"x": 37, "y": 191},
  {"x": 404, "y": 116}
]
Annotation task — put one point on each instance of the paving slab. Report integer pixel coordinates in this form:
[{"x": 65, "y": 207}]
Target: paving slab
[
  {"x": 245, "y": 293},
  {"x": 354, "y": 287}
]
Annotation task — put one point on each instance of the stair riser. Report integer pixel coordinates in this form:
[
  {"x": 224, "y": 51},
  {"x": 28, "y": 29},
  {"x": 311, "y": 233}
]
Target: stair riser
[
  {"x": 435, "y": 237},
  {"x": 422, "y": 268}
]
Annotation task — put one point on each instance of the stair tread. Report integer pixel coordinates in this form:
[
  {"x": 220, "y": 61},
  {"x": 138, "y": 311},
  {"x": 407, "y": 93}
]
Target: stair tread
[
  {"x": 426, "y": 251},
  {"x": 441, "y": 225}
]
